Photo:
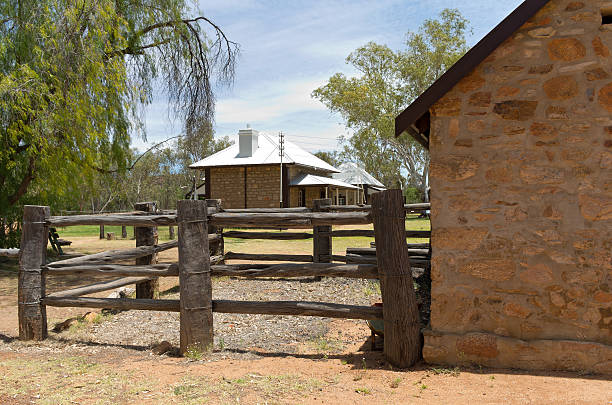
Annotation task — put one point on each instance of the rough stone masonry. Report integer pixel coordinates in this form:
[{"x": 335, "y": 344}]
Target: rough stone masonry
[{"x": 521, "y": 180}]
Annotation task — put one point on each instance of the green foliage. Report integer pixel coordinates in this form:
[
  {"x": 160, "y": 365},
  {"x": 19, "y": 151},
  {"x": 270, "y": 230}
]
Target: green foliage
[
  {"x": 331, "y": 157},
  {"x": 413, "y": 195},
  {"x": 74, "y": 76},
  {"x": 387, "y": 82}
]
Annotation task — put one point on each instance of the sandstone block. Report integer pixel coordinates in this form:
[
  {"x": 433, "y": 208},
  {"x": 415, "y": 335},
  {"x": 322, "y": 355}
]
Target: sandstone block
[
  {"x": 574, "y": 6},
  {"x": 556, "y": 113},
  {"x": 478, "y": 344},
  {"x": 480, "y": 99},
  {"x": 453, "y": 128},
  {"x": 605, "y": 97},
  {"x": 596, "y": 74},
  {"x": 595, "y": 207},
  {"x": 471, "y": 82},
  {"x": 517, "y": 110},
  {"x": 490, "y": 269},
  {"x": 600, "y": 48},
  {"x": 541, "y": 175},
  {"x": 541, "y": 69},
  {"x": 539, "y": 274},
  {"x": 458, "y": 238},
  {"x": 454, "y": 168},
  {"x": 561, "y": 88},
  {"x": 446, "y": 107},
  {"x": 516, "y": 310},
  {"x": 566, "y": 49},
  {"x": 501, "y": 174}
]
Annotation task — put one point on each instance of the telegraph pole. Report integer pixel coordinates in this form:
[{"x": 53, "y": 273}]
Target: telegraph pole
[{"x": 281, "y": 152}]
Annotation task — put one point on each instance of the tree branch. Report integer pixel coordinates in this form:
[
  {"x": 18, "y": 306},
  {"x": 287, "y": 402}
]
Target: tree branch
[{"x": 25, "y": 182}]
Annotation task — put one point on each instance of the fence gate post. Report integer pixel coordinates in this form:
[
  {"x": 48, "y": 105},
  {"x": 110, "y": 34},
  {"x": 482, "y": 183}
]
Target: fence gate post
[
  {"x": 194, "y": 276},
  {"x": 31, "y": 284},
  {"x": 218, "y": 246},
  {"x": 400, "y": 312},
  {"x": 146, "y": 236}
]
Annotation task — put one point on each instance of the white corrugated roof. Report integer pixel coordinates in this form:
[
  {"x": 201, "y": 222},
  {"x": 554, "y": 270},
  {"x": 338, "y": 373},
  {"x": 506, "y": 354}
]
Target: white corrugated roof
[
  {"x": 351, "y": 173},
  {"x": 312, "y": 180},
  {"x": 266, "y": 154}
]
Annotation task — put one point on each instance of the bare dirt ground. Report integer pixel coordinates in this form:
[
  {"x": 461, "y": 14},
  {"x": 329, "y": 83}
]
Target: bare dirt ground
[{"x": 255, "y": 359}]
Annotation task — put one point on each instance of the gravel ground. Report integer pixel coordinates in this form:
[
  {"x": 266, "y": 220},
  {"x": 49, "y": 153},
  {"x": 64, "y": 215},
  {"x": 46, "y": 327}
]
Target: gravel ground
[{"x": 238, "y": 335}]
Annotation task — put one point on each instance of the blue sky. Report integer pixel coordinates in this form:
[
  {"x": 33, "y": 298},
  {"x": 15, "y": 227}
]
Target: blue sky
[{"x": 289, "y": 48}]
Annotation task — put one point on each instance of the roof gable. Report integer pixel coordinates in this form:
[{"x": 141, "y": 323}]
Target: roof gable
[{"x": 415, "y": 118}]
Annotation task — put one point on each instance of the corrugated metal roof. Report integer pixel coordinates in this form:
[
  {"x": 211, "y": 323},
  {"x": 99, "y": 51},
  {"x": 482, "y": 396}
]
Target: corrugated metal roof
[
  {"x": 351, "y": 173},
  {"x": 266, "y": 154},
  {"x": 312, "y": 180}
]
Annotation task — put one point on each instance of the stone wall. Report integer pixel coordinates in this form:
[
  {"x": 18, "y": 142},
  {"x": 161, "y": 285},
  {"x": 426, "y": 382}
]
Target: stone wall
[
  {"x": 263, "y": 186},
  {"x": 521, "y": 193},
  {"x": 227, "y": 184}
]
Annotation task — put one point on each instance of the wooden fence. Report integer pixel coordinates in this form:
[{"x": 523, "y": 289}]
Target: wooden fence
[{"x": 200, "y": 247}]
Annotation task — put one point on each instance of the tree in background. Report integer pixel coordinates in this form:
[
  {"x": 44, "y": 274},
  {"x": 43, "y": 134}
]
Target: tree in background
[
  {"x": 388, "y": 81},
  {"x": 331, "y": 157},
  {"x": 74, "y": 76}
]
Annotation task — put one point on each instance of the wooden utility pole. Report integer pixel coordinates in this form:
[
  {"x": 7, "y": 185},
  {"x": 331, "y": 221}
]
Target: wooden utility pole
[
  {"x": 400, "y": 311},
  {"x": 31, "y": 283},
  {"x": 194, "y": 276},
  {"x": 146, "y": 236}
]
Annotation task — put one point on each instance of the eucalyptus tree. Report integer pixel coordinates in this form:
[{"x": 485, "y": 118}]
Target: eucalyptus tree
[
  {"x": 386, "y": 82},
  {"x": 76, "y": 74}
]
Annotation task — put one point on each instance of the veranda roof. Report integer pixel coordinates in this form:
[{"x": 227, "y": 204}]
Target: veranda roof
[
  {"x": 351, "y": 173},
  {"x": 312, "y": 180}
]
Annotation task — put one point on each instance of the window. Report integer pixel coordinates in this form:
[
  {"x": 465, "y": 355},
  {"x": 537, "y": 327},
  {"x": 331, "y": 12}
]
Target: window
[
  {"x": 302, "y": 198},
  {"x": 342, "y": 200}
]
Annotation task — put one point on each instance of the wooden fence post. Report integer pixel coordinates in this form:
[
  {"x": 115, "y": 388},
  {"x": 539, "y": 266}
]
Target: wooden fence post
[
  {"x": 31, "y": 284},
  {"x": 321, "y": 236},
  {"x": 124, "y": 232},
  {"x": 194, "y": 276},
  {"x": 146, "y": 236},
  {"x": 171, "y": 233},
  {"x": 102, "y": 234},
  {"x": 218, "y": 246},
  {"x": 400, "y": 311}
]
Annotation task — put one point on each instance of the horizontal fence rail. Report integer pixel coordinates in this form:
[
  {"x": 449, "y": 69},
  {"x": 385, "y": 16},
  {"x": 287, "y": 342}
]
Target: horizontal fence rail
[
  {"x": 99, "y": 287},
  {"x": 111, "y": 256},
  {"x": 302, "y": 308},
  {"x": 407, "y": 207},
  {"x": 127, "y": 220},
  {"x": 113, "y": 303},
  {"x": 268, "y": 257},
  {"x": 151, "y": 270},
  {"x": 288, "y": 220},
  {"x": 296, "y": 270},
  {"x": 268, "y": 235}
]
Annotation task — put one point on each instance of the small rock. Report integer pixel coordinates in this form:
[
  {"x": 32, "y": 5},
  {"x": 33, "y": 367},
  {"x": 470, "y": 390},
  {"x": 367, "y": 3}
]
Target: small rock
[
  {"x": 90, "y": 317},
  {"x": 59, "y": 327},
  {"x": 162, "y": 348}
]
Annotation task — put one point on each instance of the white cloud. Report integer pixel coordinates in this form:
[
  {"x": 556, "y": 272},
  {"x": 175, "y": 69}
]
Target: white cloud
[{"x": 267, "y": 101}]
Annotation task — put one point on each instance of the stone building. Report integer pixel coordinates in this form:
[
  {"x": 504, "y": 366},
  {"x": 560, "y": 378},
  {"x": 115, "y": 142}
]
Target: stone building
[
  {"x": 520, "y": 137},
  {"x": 247, "y": 174}
]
